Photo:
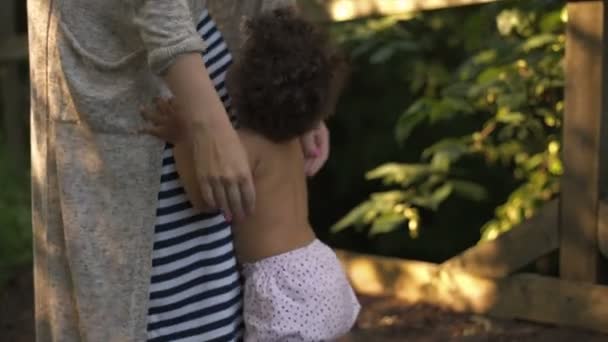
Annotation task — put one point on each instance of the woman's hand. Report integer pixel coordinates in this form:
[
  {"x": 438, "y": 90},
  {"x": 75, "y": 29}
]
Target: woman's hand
[
  {"x": 220, "y": 162},
  {"x": 315, "y": 145},
  {"x": 222, "y": 169}
]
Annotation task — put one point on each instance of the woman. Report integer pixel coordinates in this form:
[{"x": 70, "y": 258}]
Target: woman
[{"x": 99, "y": 209}]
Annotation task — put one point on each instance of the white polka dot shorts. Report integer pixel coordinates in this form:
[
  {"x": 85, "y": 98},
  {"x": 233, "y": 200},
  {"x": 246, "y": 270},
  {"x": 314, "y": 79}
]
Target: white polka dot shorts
[{"x": 302, "y": 295}]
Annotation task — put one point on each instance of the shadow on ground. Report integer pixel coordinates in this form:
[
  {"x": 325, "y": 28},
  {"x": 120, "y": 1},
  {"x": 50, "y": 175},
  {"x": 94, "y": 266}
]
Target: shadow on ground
[{"x": 381, "y": 320}]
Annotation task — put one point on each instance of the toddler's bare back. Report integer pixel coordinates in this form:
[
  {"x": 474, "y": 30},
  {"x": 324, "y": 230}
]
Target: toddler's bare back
[{"x": 280, "y": 221}]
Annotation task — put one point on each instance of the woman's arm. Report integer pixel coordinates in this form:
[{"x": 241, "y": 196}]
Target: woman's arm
[
  {"x": 220, "y": 162},
  {"x": 174, "y": 48}
]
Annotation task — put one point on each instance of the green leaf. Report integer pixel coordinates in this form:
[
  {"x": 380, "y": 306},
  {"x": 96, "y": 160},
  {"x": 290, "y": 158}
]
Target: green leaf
[
  {"x": 355, "y": 216},
  {"x": 386, "y": 224},
  {"x": 382, "y": 55},
  {"x": 392, "y": 197},
  {"x": 469, "y": 190},
  {"x": 407, "y": 46},
  {"x": 409, "y": 120},
  {"x": 538, "y": 41},
  {"x": 454, "y": 148},
  {"x": 489, "y": 75},
  {"x": 459, "y": 91},
  {"x": 435, "y": 199},
  {"x": 447, "y": 108},
  {"x": 551, "y": 22},
  {"x": 513, "y": 100},
  {"x": 403, "y": 174},
  {"x": 534, "y": 162},
  {"x": 441, "y": 162},
  {"x": 389, "y": 170},
  {"x": 513, "y": 118},
  {"x": 440, "y": 195},
  {"x": 485, "y": 57},
  {"x": 364, "y": 48}
]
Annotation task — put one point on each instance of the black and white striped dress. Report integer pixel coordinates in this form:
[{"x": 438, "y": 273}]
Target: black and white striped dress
[{"x": 195, "y": 290}]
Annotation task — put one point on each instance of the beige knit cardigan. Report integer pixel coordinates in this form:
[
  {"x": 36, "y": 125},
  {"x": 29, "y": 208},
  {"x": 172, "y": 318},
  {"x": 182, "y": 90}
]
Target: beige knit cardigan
[{"x": 95, "y": 181}]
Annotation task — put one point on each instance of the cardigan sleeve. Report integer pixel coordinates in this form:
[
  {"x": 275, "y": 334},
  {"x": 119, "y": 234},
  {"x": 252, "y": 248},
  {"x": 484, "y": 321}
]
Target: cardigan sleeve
[{"x": 167, "y": 30}]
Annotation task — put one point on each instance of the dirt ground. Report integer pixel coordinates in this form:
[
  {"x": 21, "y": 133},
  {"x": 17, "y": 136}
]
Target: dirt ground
[
  {"x": 390, "y": 320},
  {"x": 17, "y": 309},
  {"x": 381, "y": 320}
]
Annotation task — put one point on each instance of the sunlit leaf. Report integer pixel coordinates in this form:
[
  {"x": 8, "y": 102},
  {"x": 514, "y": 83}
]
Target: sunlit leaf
[
  {"x": 486, "y": 56},
  {"x": 353, "y": 217},
  {"x": 551, "y": 21},
  {"x": 489, "y": 75},
  {"x": 403, "y": 174},
  {"x": 386, "y": 224},
  {"x": 454, "y": 149},
  {"x": 389, "y": 196},
  {"x": 534, "y": 161},
  {"x": 538, "y": 41},
  {"x": 510, "y": 117},
  {"x": 441, "y": 161}
]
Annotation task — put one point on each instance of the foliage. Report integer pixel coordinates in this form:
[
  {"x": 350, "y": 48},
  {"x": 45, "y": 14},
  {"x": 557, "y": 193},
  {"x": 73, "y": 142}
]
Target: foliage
[
  {"x": 15, "y": 219},
  {"x": 505, "y": 76}
]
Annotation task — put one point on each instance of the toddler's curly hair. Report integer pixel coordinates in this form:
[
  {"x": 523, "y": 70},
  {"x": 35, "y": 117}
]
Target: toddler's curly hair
[{"x": 287, "y": 78}]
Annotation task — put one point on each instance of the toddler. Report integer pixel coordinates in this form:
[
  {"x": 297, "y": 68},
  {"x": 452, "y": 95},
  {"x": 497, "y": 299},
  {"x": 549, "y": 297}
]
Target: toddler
[{"x": 284, "y": 84}]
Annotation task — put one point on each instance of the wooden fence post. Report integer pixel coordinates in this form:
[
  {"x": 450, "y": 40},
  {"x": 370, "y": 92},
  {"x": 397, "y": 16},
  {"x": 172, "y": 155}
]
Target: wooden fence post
[{"x": 585, "y": 115}]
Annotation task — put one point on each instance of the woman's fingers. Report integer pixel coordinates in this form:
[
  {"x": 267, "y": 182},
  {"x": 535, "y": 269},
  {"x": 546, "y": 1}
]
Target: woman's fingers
[
  {"x": 207, "y": 193},
  {"x": 219, "y": 196},
  {"x": 219, "y": 155},
  {"x": 234, "y": 198}
]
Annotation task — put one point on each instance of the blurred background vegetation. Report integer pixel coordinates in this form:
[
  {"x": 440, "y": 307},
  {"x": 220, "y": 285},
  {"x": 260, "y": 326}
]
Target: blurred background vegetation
[
  {"x": 448, "y": 133},
  {"x": 15, "y": 219}
]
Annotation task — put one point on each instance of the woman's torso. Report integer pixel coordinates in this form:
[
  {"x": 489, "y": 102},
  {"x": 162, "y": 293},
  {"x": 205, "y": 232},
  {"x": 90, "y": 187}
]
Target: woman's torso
[{"x": 105, "y": 65}]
